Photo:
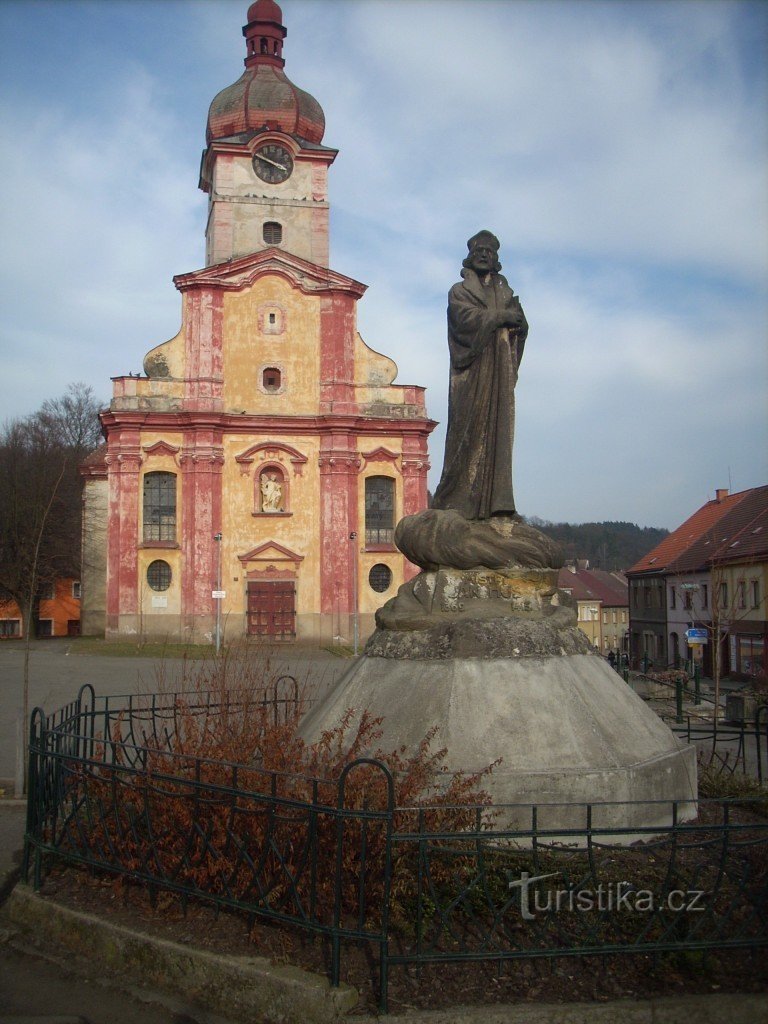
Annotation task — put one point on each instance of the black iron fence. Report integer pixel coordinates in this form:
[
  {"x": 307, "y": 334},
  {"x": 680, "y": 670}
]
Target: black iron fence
[{"x": 110, "y": 788}]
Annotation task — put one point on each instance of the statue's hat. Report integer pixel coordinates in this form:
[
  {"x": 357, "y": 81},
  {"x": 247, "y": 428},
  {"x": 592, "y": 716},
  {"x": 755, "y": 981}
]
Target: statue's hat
[{"x": 483, "y": 238}]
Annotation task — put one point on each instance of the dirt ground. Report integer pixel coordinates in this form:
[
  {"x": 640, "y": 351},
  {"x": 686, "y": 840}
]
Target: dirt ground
[{"x": 566, "y": 979}]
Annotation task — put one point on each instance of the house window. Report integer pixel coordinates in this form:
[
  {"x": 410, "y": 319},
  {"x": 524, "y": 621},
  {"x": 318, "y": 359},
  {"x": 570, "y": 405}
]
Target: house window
[
  {"x": 271, "y": 379},
  {"x": 380, "y": 578},
  {"x": 160, "y": 507},
  {"x": 751, "y": 654},
  {"x": 273, "y": 232},
  {"x": 754, "y": 587},
  {"x": 76, "y": 589},
  {"x": 705, "y": 595},
  {"x": 723, "y": 595},
  {"x": 379, "y": 510},
  {"x": 10, "y": 627},
  {"x": 688, "y": 601},
  {"x": 741, "y": 595},
  {"x": 159, "y": 574},
  {"x": 672, "y": 597},
  {"x": 44, "y": 627}
]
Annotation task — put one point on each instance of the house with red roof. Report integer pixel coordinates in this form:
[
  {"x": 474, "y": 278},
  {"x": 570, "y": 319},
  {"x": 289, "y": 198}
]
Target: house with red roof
[
  {"x": 602, "y": 604},
  {"x": 710, "y": 574}
]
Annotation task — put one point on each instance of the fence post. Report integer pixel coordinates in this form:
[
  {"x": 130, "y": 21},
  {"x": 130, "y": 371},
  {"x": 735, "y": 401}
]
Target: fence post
[
  {"x": 762, "y": 710},
  {"x": 343, "y": 815},
  {"x": 679, "y": 700}
]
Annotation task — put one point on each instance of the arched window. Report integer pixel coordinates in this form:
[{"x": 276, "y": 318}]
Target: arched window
[
  {"x": 271, "y": 379},
  {"x": 272, "y": 232},
  {"x": 160, "y": 507},
  {"x": 379, "y": 510}
]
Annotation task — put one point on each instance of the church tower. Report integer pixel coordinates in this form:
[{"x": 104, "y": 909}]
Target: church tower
[
  {"x": 265, "y": 169},
  {"x": 254, "y": 474}
]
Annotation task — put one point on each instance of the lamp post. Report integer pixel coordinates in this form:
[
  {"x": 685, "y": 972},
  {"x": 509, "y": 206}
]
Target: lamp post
[
  {"x": 353, "y": 538},
  {"x": 217, "y": 538}
]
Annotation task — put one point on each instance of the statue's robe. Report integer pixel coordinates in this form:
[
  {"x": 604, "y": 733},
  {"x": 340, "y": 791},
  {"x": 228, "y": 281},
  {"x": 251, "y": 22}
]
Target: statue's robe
[{"x": 477, "y": 472}]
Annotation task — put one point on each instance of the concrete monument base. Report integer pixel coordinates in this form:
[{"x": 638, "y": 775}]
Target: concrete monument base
[{"x": 567, "y": 728}]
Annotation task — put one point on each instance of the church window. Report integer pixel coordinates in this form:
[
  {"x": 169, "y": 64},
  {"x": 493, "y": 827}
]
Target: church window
[
  {"x": 272, "y": 232},
  {"x": 379, "y": 510},
  {"x": 160, "y": 507},
  {"x": 263, "y": 45},
  {"x": 380, "y": 578},
  {"x": 159, "y": 574},
  {"x": 271, "y": 379}
]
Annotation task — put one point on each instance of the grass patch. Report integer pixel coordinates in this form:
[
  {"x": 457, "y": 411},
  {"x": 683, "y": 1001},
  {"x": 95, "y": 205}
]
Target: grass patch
[
  {"x": 138, "y": 648},
  {"x": 340, "y": 650}
]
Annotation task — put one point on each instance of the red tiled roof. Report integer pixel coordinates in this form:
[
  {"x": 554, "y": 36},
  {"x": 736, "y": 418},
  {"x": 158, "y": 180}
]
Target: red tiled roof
[
  {"x": 741, "y": 533},
  {"x": 661, "y": 558},
  {"x": 594, "y": 585}
]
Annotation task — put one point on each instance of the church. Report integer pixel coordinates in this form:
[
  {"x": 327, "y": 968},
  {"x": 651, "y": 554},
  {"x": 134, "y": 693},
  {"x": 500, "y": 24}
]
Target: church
[{"x": 252, "y": 477}]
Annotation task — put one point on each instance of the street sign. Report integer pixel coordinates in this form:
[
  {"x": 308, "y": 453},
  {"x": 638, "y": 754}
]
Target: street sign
[
  {"x": 697, "y": 636},
  {"x": 218, "y": 594}
]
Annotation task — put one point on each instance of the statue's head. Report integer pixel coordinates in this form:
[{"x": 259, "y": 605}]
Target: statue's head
[{"x": 483, "y": 253}]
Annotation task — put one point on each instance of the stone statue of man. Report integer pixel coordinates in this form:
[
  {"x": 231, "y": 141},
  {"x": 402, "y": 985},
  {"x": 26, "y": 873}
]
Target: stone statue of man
[{"x": 486, "y": 334}]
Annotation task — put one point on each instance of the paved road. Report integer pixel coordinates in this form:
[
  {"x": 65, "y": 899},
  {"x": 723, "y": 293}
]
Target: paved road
[
  {"x": 43, "y": 992},
  {"x": 58, "y": 668}
]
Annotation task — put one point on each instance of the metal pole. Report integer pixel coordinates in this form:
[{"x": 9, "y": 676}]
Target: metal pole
[
  {"x": 353, "y": 538},
  {"x": 679, "y": 699},
  {"x": 217, "y": 538}
]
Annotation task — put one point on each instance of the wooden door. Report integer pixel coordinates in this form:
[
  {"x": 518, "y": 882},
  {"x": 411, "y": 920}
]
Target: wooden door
[{"x": 272, "y": 610}]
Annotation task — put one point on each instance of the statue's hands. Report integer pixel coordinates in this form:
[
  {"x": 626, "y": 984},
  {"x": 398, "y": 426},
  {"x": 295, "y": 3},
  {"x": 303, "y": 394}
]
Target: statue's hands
[{"x": 510, "y": 318}]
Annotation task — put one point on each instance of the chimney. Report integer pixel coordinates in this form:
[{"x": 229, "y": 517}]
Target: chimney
[{"x": 720, "y": 493}]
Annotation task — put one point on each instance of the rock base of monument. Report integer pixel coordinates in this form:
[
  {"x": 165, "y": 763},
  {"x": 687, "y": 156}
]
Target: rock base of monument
[
  {"x": 568, "y": 729},
  {"x": 483, "y": 645}
]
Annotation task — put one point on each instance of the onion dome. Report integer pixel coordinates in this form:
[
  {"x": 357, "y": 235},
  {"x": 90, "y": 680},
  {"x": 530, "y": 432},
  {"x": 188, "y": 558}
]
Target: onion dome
[{"x": 264, "y": 96}]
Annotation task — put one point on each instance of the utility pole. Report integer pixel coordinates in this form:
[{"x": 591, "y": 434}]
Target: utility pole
[
  {"x": 353, "y": 538},
  {"x": 217, "y": 538}
]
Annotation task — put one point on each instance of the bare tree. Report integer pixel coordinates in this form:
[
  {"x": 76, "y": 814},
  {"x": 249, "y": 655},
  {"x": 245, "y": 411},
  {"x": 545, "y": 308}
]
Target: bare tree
[{"x": 40, "y": 505}]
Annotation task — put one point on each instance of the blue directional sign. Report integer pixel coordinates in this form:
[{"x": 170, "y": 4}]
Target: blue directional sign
[{"x": 696, "y": 636}]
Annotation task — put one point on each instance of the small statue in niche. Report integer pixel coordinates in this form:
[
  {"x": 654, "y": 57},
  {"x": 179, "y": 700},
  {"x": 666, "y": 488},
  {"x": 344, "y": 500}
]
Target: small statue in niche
[{"x": 271, "y": 492}]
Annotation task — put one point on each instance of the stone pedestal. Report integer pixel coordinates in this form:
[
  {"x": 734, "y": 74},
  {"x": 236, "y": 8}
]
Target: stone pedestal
[{"x": 492, "y": 656}]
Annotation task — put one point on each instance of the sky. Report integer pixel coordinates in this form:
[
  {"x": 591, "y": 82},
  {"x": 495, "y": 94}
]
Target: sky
[{"x": 619, "y": 150}]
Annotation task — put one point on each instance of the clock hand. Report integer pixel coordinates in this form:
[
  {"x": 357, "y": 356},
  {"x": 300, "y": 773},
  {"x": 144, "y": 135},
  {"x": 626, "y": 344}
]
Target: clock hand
[{"x": 280, "y": 167}]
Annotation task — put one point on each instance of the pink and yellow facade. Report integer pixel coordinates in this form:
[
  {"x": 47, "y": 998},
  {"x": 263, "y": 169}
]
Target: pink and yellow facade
[{"x": 260, "y": 465}]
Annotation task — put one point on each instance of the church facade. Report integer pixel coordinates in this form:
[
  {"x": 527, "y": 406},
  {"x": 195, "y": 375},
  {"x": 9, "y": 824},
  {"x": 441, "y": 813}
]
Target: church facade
[{"x": 253, "y": 476}]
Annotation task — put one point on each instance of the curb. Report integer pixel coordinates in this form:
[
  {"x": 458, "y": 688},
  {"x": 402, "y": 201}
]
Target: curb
[
  {"x": 252, "y": 988},
  {"x": 708, "y": 1009},
  {"x": 242, "y": 987}
]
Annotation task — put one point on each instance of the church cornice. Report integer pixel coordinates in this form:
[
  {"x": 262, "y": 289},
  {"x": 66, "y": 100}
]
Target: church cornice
[
  {"x": 244, "y": 423},
  {"x": 236, "y": 274}
]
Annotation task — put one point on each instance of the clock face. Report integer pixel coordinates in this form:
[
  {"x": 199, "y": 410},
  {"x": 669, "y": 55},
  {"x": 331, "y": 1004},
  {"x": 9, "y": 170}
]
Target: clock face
[{"x": 273, "y": 163}]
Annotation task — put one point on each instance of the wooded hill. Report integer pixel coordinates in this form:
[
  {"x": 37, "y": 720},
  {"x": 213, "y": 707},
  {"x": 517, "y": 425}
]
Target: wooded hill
[{"x": 608, "y": 546}]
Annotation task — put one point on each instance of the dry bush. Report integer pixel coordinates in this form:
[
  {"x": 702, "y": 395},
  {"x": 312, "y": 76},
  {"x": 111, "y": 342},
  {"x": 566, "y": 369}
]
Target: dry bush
[{"x": 235, "y": 805}]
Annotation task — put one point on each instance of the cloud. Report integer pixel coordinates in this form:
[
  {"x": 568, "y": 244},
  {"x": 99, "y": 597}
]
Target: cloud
[{"x": 617, "y": 149}]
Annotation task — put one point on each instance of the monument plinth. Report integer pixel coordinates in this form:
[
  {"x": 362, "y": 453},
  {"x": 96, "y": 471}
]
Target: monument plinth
[{"x": 482, "y": 643}]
